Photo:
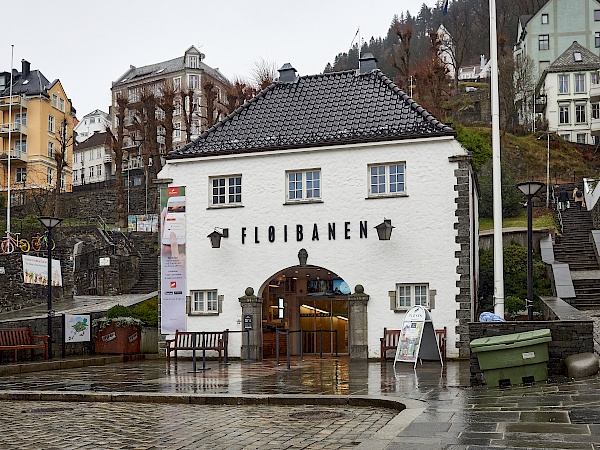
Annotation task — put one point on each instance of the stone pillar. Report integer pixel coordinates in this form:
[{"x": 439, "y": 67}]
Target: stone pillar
[
  {"x": 252, "y": 306},
  {"x": 358, "y": 326}
]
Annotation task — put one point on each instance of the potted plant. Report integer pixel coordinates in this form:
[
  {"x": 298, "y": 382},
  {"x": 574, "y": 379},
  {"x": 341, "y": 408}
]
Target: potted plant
[{"x": 117, "y": 332}]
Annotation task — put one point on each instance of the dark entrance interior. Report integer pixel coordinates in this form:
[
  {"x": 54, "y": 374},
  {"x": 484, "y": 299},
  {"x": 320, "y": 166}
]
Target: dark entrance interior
[{"x": 310, "y": 301}]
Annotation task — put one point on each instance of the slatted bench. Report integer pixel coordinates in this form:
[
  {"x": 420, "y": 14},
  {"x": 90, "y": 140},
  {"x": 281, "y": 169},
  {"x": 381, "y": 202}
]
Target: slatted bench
[
  {"x": 184, "y": 340},
  {"x": 15, "y": 339},
  {"x": 390, "y": 339}
]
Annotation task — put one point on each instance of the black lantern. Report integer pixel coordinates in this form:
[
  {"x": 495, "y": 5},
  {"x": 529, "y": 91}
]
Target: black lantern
[
  {"x": 384, "y": 230},
  {"x": 49, "y": 223},
  {"x": 215, "y": 237},
  {"x": 530, "y": 188}
]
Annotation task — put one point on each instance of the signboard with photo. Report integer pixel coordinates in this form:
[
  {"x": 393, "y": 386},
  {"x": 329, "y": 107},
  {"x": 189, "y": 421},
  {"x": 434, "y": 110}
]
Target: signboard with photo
[
  {"x": 417, "y": 338},
  {"x": 77, "y": 328},
  {"x": 35, "y": 271}
]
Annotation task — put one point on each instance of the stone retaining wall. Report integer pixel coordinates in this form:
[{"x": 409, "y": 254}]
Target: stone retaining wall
[{"x": 572, "y": 332}]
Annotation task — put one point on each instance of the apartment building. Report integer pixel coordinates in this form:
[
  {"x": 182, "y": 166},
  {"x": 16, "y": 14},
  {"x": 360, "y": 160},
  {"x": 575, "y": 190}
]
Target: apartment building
[
  {"x": 36, "y": 122},
  {"x": 95, "y": 122}
]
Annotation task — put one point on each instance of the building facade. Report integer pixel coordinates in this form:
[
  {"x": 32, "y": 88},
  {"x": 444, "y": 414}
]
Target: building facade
[
  {"x": 565, "y": 85},
  {"x": 95, "y": 122},
  {"x": 303, "y": 177},
  {"x": 93, "y": 160},
  {"x": 36, "y": 122}
]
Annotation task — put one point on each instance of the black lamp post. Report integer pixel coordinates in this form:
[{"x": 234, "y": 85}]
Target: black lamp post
[
  {"x": 530, "y": 188},
  {"x": 49, "y": 223}
]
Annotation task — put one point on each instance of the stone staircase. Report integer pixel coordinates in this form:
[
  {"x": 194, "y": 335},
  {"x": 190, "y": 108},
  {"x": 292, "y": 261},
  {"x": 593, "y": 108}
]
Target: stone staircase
[
  {"x": 148, "y": 281},
  {"x": 576, "y": 249}
]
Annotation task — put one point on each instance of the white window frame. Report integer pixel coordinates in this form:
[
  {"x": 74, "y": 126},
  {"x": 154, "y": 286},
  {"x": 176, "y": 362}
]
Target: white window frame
[
  {"x": 50, "y": 176},
  {"x": 566, "y": 137},
  {"x": 545, "y": 19},
  {"x": 177, "y": 130},
  {"x": 407, "y": 296},
  {"x": 55, "y": 101},
  {"x": 20, "y": 174},
  {"x": 581, "y": 138},
  {"x": 544, "y": 39},
  {"x": 177, "y": 84},
  {"x": 595, "y": 110},
  {"x": 204, "y": 301},
  {"x": 563, "y": 83},
  {"x": 194, "y": 81},
  {"x": 385, "y": 180},
  {"x": 563, "y": 114},
  {"x": 51, "y": 123},
  {"x": 303, "y": 186},
  {"x": 225, "y": 190},
  {"x": 91, "y": 172},
  {"x": 63, "y": 181},
  {"x": 51, "y": 148},
  {"x": 20, "y": 146},
  {"x": 61, "y": 104},
  {"x": 20, "y": 119},
  {"x": 177, "y": 109},
  {"x": 580, "y": 113},
  {"x": 192, "y": 62},
  {"x": 99, "y": 170},
  {"x": 579, "y": 83}
]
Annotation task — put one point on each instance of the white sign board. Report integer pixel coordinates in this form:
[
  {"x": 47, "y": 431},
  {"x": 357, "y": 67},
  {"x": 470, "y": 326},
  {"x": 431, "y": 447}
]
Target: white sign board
[
  {"x": 35, "y": 271},
  {"x": 417, "y": 337},
  {"x": 77, "y": 328},
  {"x": 104, "y": 262}
]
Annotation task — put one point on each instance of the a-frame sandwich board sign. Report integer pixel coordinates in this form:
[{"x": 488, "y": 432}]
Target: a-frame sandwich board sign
[{"x": 417, "y": 338}]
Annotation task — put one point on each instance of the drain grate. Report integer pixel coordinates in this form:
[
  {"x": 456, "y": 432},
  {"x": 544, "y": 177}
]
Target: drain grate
[
  {"x": 317, "y": 415},
  {"x": 46, "y": 410}
]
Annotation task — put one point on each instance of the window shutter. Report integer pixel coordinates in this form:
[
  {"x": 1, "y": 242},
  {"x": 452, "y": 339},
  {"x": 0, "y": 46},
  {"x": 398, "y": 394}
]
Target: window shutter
[
  {"x": 392, "y": 295},
  {"x": 188, "y": 304},
  {"x": 220, "y": 301},
  {"x": 432, "y": 293}
]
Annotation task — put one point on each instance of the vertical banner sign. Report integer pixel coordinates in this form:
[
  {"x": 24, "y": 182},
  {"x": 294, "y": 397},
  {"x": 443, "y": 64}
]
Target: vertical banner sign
[
  {"x": 417, "y": 338},
  {"x": 172, "y": 259}
]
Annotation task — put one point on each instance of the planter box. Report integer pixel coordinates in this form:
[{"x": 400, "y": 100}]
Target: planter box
[{"x": 119, "y": 340}]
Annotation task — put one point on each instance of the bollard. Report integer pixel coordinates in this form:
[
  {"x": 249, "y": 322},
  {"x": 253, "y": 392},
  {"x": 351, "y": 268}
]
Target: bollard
[
  {"x": 301, "y": 346},
  {"x": 287, "y": 344},
  {"x": 277, "y": 347},
  {"x": 321, "y": 344}
]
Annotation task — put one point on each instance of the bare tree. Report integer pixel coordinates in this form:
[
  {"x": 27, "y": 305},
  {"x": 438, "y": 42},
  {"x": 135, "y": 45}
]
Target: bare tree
[
  {"x": 167, "y": 104},
  {"x": 401, "y": 59},
  {"x": 458, "y": 22},
  {"x": 60, "y": 158},
  {"x": 117, "y": 148},
  {"x": 263, "y": 73}
]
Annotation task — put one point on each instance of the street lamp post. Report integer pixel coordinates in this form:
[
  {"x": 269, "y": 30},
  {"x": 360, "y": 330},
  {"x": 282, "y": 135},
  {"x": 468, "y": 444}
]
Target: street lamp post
[
  {"x": 530, "y": 189},
  {"x": 49, "y": 223}
]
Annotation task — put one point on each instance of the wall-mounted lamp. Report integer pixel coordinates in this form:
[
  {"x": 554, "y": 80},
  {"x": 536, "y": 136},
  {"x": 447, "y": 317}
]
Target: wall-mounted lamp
[
  {"x": 384, "y": 230},
  {"x": 215, "y": 236}
]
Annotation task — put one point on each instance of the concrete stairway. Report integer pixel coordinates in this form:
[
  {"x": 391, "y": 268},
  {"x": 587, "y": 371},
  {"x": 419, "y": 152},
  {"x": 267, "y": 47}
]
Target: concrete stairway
[
  {"x": 576, "y": 249},
  {"x": 148, "y": 281}
]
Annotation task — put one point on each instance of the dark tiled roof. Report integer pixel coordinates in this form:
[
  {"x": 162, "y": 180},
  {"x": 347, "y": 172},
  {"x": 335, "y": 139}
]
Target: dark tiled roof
[
  {"x": 34, "y": 83},
  {"x": 566, "y": 61},
  {"x": 95, "y": 140},
  {"x": 318, "y": 110}
]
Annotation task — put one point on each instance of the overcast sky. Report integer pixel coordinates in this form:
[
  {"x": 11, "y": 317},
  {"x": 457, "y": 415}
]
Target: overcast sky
[{"x": 88, "y": 45}]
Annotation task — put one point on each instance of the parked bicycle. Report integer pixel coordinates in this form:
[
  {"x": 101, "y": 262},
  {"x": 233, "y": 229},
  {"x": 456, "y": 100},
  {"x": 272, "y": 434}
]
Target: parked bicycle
[
  {"x": 9, "y": 244},
  {"x": 40, "y": 242}
]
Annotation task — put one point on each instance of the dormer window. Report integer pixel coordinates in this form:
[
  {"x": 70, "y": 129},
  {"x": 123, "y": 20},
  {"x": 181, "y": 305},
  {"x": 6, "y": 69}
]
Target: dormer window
[
  {"x": 577, "y": 56},
  {"x": 193, "y": 62}
]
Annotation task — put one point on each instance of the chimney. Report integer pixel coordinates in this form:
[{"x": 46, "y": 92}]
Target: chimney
[
  {"x": 367, "y": 63},
  {"x": 25, "y": 68},
  {"x": 287, "y": 74}
]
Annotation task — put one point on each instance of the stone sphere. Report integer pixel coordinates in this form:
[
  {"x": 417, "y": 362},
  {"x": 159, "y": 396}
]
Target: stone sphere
[
  {"x": 359, "y": 289},
  {"x": 249, "y": 291}
]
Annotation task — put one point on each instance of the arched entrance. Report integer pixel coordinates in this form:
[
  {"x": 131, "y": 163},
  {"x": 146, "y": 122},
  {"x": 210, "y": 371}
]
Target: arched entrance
[{"x": 310, "y": 302}]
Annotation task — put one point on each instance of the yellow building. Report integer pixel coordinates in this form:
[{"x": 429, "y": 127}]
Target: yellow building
[{"x": 36, "y": 133}]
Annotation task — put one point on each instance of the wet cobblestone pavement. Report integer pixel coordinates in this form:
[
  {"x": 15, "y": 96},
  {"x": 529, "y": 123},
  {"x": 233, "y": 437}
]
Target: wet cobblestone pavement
[{"x": 443, "y": 411}]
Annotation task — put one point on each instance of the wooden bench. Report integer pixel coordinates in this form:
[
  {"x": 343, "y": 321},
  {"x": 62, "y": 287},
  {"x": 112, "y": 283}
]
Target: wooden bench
[
  {"x": 16, "y": 339},
  {"x": 184, "y": 340},
  {"x": 390, "y": 339}
]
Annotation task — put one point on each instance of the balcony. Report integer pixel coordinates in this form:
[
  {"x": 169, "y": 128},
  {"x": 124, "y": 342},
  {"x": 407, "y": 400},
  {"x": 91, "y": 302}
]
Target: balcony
[
  {"x": 595, "y": 93},
  {"x": 107, "y": 158},
  {"x": 16, "y": 102},
  {"x": 14, "y": 127},
  {"x": 595, "y": 127},
  {"x": 15, "y": 156}
]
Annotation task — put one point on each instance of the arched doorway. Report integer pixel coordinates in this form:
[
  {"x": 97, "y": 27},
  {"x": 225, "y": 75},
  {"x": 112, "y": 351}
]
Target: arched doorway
[{"x": 310, "y": 302}]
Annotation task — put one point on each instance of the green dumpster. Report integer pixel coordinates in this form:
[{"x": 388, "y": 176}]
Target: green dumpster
[{"x": 513, "y": 358}]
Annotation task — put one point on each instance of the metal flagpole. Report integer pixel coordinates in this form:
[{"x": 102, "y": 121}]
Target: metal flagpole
[
  {"x": 497, "y": 170},
  {"x": 12, "y": 52}
]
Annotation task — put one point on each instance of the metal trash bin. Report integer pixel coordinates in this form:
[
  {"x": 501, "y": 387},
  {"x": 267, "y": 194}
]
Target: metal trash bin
[{"x": 512, "y": 359}]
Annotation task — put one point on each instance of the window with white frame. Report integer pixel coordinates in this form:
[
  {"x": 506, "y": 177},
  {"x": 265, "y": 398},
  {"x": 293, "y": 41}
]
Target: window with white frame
[
  {"x": 544, "y": 18},
  {"x": 581, "y": 138},
  {"x": 563, "y": 113},
  {"x": 579, "y": 83},
  {"x": 177, "y": 130},
  {"x": 20, "y": 119},
  {"x": 194, "y": 81},
  {"x": 51, "y": 123},
  {"x": 563, "y": 84},
  {"x": 50, "y": 149},
  {"x": 544, "y": 42},
  {"x": 196, "y": 104},
  {"x": 55, "y": 101},
  {"x": 595, "y": 110},
  {"x": 193, "y": 62},
  {"x": 303, "y": 185},
  {"x": 409, "y": 295},
  {"x": 177, "y": 84},
  {"x": 91, "y": 171},
  {"x": 50, "y": 176},
  {"x": 226, "y": 190},
  {"x": 204, "y": 302},
  {"x": 61, "y": 104},
  {"x": 386, "y": 179},
  {"x": 20, "y": 147},
  {"x": 580, "y": 113},
  {"x": 75, "y": 176},
  {"x": 99, "y": 170},
  {"x": 195, "y": 127},
  {"x": 177, "y": 109},
  {"x": 21, "y": 174},
  {"x": 566, "y": 137},
  {"x": 594, "y": 78},
  {"x": 63, "y": 181}
]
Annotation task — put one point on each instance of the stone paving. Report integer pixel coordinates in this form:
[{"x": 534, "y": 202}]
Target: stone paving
[{"x": 132, "y": 405}]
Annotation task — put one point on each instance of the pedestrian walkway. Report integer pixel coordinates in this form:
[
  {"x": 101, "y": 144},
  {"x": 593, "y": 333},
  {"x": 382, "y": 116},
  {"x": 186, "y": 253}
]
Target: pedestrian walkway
[{"x": 318, "y": 403}]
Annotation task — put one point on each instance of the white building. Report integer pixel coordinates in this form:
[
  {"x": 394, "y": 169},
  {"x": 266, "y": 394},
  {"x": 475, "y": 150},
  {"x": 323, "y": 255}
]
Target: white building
[
  {"x": 92, "y": 160},
  {"x": 300, "y": 176},
  {"x": 565, "y": 85},
  {"x": 94, "y": 122}
]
